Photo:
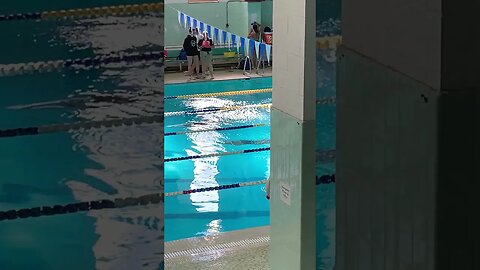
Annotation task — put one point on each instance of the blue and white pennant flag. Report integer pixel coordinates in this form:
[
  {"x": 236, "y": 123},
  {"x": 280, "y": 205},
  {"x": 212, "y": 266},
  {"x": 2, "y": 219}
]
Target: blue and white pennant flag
[
  {"x": 217, "y": 35},
  {"x": 244, "y": 45},
  {"x": 209, "y": 30},
  {"x": 189, "y": 22},
  {"x": 268, "y": 49},
  {"x": 257, "y": 49}
]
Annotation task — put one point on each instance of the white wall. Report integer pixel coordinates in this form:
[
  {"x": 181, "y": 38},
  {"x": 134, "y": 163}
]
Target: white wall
[{"x": 294, "y": 58}]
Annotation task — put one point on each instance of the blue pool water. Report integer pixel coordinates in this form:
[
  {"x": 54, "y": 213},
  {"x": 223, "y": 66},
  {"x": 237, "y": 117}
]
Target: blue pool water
[
  {"x": 62, "y": 168},
  {"x": 209, "y": 213},
  {"x": 212, "y": 212},
  {"x": 328, "y": 16}
]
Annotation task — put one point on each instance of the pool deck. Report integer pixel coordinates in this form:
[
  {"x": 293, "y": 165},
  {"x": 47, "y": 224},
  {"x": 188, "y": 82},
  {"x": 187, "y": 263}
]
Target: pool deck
[
  {"x": 243, "y": 250},
  {"x": 220, "y": 75}
]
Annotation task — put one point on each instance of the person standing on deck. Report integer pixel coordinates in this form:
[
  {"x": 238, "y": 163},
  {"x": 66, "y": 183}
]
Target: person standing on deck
[
  {"x": 190, "y": 47},
  {"x": 255, "y": 35},
  {"x": 199, "y": 37},
  {"x": 255, "y": 32},
  {"x": 206, "y": 46}
]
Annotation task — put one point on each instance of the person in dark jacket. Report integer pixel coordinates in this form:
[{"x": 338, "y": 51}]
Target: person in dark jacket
[
  {"x": 190, "y": 47},
  {"x": 206, "y": 46}
]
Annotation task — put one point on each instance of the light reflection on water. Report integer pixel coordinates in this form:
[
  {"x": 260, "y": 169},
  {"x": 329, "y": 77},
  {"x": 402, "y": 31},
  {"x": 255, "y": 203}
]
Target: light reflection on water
[{"x": 128, "y": 157}]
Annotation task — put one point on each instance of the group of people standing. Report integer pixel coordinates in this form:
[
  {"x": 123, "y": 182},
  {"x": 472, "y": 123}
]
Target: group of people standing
[{"x": 198, "y": 48}]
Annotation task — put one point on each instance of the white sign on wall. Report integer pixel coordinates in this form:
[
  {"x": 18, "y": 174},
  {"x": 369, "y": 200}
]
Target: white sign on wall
[{"x": 285, "y": 193}]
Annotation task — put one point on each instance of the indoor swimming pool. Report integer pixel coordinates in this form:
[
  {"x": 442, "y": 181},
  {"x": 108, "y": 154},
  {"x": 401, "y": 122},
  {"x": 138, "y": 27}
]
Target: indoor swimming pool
[
  {"x": 209, "y": 213},
  {"x": 81, "y": 165},
  {"x": 213, "y": 212}
]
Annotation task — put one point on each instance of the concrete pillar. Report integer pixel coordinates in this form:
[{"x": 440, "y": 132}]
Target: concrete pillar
[
  {"x": 408, "y": 107},
  {"x": 292, "y": 133}
]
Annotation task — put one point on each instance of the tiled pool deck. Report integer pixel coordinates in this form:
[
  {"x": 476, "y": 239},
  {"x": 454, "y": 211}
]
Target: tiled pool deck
[{"x": 243, "y": 250}]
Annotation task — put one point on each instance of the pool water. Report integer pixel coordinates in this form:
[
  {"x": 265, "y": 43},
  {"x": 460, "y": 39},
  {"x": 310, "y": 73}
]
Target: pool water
[
  {"x": 326, "y": 140},
  {"x": 61, "y": 168},
  {"x": 210, "y": 213}
]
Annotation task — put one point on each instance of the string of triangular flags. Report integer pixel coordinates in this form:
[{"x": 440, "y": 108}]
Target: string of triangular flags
[{"x": 243, "y": 45}]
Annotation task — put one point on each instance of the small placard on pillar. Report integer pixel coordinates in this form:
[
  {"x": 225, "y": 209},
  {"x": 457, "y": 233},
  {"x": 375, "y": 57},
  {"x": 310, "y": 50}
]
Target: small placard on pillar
[{"x": 285, "y": 193}]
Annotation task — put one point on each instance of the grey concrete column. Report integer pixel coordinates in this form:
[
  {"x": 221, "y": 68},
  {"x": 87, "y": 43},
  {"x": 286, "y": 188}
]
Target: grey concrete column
[
  {"x": 293, "y": 136},
  {"x": 408, "y": 107}
]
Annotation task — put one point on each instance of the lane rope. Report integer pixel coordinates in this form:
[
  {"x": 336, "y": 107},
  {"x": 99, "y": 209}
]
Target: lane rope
[
  {"x": 86, "y": 12},
  {"x": 217, "y": 94},
  {"x": 144, "y": 200},
  {"x": 66, "y": 127},
  {"x": 149, "y": 199},
  {"x": 229, "y": 108},
  {"x": 88, "y": 62},
  {"x": 324, "y": 179},
  {"x": 214, "y": 129},
  {"x": 222, "y": 187},
  {"x": 324, "y": 156},
  {"x": 329, "y": 42},
  {"x": 321, "y": 101},
  {"x": 80, "y": 125},
  {"x": 107, "y": 124}
]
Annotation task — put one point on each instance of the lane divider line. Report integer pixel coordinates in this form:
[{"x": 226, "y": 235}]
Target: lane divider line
[
  {"x": 328, "y": 42},
  {"x": 80, "y": 125},
  {"x": 149, "y": 199},
  {"x": 86, "y": 12},
  {"x": 324, "y": 156},
  {"x": 230, "y": 108},
  {"x": 88, "y": 62},
  {"x": 229, "y": 93},
  {"x": 214, "y": 129},
  {"x": 144, "y": 200},
  {"x": 66, "y": 127}
]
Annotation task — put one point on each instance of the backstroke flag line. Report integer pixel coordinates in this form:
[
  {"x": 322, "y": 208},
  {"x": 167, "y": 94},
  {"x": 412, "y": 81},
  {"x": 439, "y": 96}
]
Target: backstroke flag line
[{"x": 244, "y": 45}]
